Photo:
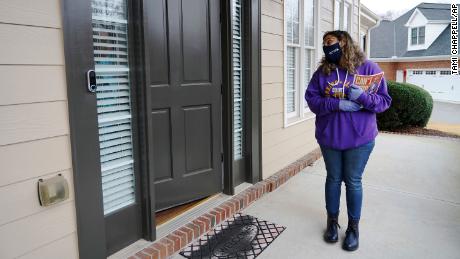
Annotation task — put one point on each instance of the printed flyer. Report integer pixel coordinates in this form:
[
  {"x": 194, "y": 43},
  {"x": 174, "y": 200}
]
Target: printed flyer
[{"x": 369, "y": 83}]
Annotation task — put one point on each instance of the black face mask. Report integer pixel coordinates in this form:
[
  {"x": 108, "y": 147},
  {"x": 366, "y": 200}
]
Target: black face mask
[{"x": 333, "y": 53}]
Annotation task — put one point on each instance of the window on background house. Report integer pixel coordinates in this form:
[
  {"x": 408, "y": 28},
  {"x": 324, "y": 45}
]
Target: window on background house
[
  {"x": 417, "y": 36},
  {"x": 413, "y": 36},
  {"x": 363, "y": 42},
  {"x": 299, "y": 56},
  {"x": 444, "y": 72},
  {"x": 421, "y": 35}
]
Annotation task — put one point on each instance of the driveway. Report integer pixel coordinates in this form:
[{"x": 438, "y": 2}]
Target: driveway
[
  {"x": 411, "y": 204},
  {"x": 445, "y": 117}
]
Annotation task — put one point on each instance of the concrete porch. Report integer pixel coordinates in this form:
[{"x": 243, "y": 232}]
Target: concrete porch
[{"x": 411, "y": 206}]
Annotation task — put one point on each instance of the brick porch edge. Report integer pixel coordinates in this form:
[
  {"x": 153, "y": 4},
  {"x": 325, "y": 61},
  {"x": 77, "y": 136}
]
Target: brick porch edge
[{"x": 186, "y": 234}]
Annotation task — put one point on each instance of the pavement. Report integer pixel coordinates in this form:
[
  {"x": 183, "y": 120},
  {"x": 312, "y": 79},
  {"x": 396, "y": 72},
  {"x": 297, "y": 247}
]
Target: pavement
[
  {"x": 411, "y": 206},
  {"x": 445, "y": 117}
]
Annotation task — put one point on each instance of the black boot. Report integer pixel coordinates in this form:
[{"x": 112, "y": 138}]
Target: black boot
[
  {"x": 331, "y": 235},
  {"x": 351, "y": 242}
]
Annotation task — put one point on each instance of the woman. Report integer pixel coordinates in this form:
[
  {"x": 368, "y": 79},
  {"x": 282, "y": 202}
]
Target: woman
[{"x": 345, "y": 127}]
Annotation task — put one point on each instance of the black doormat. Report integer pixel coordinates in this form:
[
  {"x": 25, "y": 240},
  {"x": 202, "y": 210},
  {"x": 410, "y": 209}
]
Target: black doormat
[{"x": 241, "y": 236}]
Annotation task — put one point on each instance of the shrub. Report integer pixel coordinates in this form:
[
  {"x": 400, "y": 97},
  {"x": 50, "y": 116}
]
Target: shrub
[{"x": 411, "y": 107}]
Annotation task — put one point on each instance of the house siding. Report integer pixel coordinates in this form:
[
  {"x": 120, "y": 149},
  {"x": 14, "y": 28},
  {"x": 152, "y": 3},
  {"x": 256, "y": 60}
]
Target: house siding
[
  {"x": 326, "y": 16},
  {"x": 390, "y": 68},
  {"x": 280, "y": 146},
  {"x": 34, "y": 132}
]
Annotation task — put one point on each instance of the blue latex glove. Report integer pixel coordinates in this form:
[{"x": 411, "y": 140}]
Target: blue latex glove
[
  {"x": 349, "y": 106},
  {"x": 355, "y": 92}
]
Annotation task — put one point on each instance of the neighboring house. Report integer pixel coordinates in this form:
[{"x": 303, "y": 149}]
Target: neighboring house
[
  {"x": 189, "y": 103},
  {"x": 415, "y": 48}
]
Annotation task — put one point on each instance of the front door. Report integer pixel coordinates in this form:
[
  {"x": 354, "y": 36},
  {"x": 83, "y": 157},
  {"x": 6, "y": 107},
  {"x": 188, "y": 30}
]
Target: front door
[{"x": 182, "y": 39}]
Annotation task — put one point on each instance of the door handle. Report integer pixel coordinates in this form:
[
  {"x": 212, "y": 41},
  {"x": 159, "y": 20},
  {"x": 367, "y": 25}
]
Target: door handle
[{"x": 91, "y": 81}]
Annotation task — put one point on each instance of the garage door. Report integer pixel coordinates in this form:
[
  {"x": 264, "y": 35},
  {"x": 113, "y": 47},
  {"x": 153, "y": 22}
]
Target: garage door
[{"x": 438, "y": 82}]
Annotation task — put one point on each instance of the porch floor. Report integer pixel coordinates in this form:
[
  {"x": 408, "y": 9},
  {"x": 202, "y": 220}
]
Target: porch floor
[{"x": 411, "y": 205}]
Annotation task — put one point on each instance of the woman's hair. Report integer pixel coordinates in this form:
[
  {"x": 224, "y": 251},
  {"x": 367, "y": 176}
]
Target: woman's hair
[{"x": 352, "y": 56}]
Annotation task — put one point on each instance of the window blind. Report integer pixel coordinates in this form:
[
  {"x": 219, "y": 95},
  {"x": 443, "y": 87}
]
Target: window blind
[
  {"x": 237, "y": 48},
  {"x": 308, "y": 63},
  {"x": 110, "y": 45},
  {"x": 291, "y": 75}
]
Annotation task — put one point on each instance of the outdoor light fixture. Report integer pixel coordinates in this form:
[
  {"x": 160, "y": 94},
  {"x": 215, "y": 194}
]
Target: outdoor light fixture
[{"x": 52, "y": 190}]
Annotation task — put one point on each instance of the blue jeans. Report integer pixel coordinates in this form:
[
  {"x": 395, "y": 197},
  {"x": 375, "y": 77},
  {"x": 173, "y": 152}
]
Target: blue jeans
[{"x": 348, "y": 166}]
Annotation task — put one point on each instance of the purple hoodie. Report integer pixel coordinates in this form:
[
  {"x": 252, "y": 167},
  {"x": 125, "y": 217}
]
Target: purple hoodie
[{"x": 343, "y": 130}]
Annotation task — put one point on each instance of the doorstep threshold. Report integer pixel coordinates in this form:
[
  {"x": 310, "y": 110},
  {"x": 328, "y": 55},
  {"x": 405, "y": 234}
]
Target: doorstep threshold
[{"x": 193, "y": 213}]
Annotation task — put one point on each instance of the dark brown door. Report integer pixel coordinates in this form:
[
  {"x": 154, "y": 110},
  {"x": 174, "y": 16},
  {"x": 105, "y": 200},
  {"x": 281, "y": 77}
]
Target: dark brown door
[{"x": 182, "y": 39}]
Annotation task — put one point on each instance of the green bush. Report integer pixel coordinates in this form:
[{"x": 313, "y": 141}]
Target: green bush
[{"x": 411, "y": 107}]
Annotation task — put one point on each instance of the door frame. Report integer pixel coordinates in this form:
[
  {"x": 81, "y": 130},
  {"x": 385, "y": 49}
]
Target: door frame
[{"x": 77, "y": 34}]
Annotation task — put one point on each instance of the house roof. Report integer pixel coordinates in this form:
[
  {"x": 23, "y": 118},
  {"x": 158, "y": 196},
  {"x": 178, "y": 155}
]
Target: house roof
[
  {"x": 435, "y": 11},
  {"x": 390, "y": 37},
  {"x": 383, "y": 46}
]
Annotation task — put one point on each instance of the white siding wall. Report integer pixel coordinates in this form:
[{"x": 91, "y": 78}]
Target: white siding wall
[
  {"x": 432, "y": 32},
  {"x": 34, "y": 131},
  {"x": 327, "y": 16},
  {"x": 280, "y": 146}
]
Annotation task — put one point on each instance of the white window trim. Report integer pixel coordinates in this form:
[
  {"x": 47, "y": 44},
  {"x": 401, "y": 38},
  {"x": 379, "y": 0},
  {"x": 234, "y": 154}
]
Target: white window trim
[{"x": 301, "y": 112}]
